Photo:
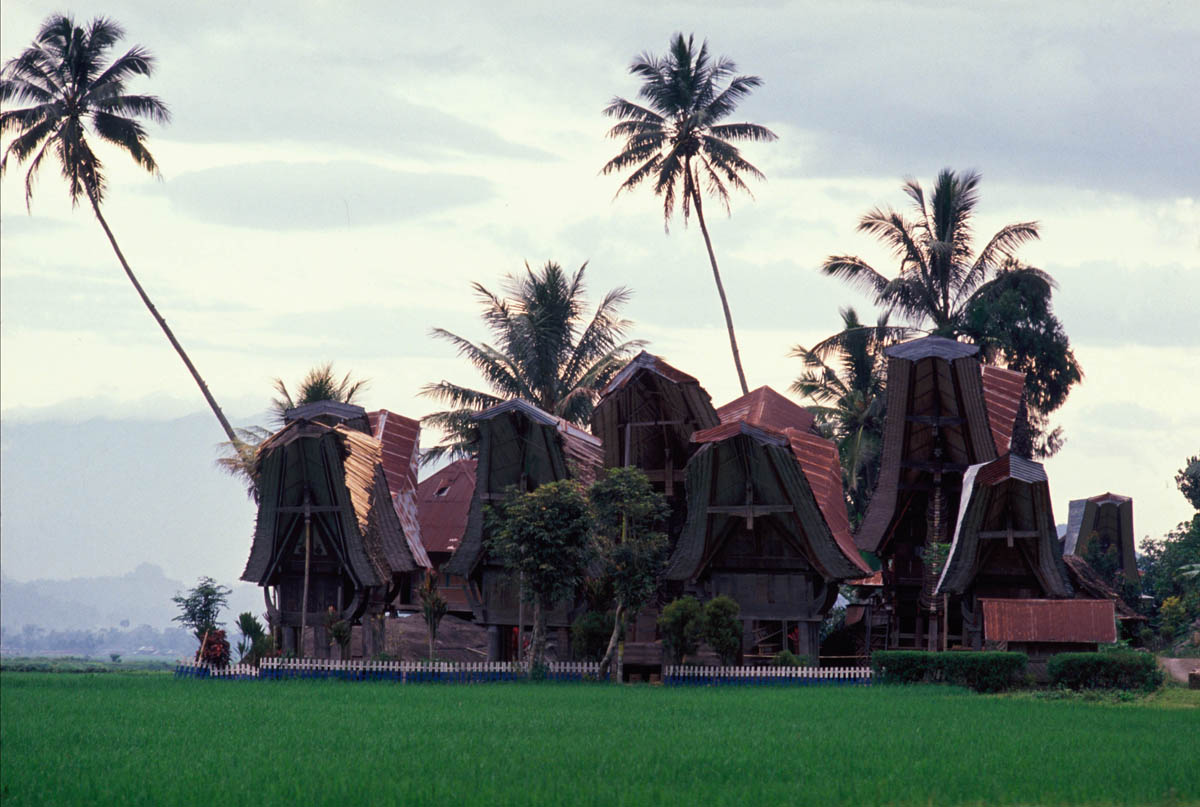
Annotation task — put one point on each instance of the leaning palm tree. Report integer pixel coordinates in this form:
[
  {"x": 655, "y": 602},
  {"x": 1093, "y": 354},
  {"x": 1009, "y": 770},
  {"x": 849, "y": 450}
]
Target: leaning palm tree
[
  {"x": 845, "y": 376},
  {"x": 678, "y": 142},
  {"x": 73, "y": 95},
  {"x": 989, "y": 297},
  {"x": 319, "y": 384},
  {"x": 544, "y": 353}
]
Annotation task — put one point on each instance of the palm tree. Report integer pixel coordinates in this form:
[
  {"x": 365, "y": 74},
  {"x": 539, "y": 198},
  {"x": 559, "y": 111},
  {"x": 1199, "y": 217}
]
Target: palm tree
[
  {"x": 319, "y": 384},
  {"x": 845, "y": 378},
  {"x": 73, "y": 95},
  {"x": 989, "y": 296},
  {"x": 678, "y": 141},
  {"x": 543, "y": 353},
  {"x": 939, "y": 271}
]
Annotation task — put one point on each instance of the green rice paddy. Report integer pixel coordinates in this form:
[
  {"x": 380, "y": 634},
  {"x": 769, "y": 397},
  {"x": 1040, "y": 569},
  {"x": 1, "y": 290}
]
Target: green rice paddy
[{"x": 157, "y": 740}]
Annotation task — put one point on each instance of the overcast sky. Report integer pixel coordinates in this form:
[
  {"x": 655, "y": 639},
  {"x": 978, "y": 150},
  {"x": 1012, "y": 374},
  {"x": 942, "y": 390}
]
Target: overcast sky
[{"x": 334, "y": 181}]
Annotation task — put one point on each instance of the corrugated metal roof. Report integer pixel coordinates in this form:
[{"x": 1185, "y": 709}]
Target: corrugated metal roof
[
  {"x": 1002, "y": 391},
  {"x": 822, "y": 468},
  {"x": 443, "y": 503},
  {"x": 399, "y": 438},
  {"x": 1082, "y": 621},
  {"x": 766, "y": 408},
  {"x": 723, "y": 432}
]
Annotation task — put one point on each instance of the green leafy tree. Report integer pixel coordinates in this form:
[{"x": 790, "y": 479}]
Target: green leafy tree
[
  {"x": 544, "y": 352},
  {"x": 630, "y": 516},
  {"x": 200, "y": 608},
  {"x": 723, "y": 628},
  {"x": 545, "y": 538},
  {"x": 679, "y": 140},
  {"x": 844, "y": 376},
  {"x": 1188, "y": 480},
  {"x": 944, "y": 284},
  {"x": 433, "y": 607},
  {"x": 75, "y": 94},
  {"x": 682, "y": 626}
]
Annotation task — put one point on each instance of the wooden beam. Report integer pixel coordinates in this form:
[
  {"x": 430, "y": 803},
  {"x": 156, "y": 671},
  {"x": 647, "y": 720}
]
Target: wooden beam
[
  {"x": 934, "y": 467},
  {"x": 331, "y": 508},
  {"x": 644, "y": 423},
  {"x": 936, "y": 420},
  {"x": 749, "y": 510}
]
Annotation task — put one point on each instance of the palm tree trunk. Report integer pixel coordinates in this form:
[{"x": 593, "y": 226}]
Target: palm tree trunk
[
  {"x": 162, "y": 323},
  {"x": 610, "y": 654},
  {"x": 737, "y": 359}
]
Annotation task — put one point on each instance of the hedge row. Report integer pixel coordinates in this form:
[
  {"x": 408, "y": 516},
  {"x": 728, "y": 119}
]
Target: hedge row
[
  {"x": 1116, "y": 670},
  {"x": 981, "y": 671}
]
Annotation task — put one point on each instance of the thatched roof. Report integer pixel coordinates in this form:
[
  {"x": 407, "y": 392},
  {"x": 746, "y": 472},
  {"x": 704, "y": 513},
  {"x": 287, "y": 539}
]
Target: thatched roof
[
  {"x": 1006, "y": 500},
  {"x": 521, "y": 446},
  {"x": 657, "y": 407},
  {"x": 944, "y": 414},
  {"x": 340, "y": 470},
  {"x": 399, "y": 439},
  {"x": 1090, "y": 585},
  {"x": 788, "y": 475},
  {"x": 1107, "y": 518}
]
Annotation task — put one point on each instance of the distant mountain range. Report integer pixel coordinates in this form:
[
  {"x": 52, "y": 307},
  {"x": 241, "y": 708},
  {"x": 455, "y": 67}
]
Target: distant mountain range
[{"x": 141, "y": 597}]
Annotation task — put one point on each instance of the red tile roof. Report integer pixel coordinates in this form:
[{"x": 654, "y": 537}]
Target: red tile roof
[
  {"x": 822, "y": 468},
  {"x": 1080, "y": 621},
  {"x": 767, "y": 409},
  {"x": 400, "y": 437},
  {"x": 443, "y": 503},
  {"x": 1002, "y": 390}
]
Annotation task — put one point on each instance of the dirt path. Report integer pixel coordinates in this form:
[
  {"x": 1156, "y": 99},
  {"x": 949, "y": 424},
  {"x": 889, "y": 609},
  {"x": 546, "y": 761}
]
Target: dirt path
[{"x": 1178, "y": 668}]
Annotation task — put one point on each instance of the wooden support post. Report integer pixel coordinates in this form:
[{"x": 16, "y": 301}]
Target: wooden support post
[{"x": 307, "y": 564}]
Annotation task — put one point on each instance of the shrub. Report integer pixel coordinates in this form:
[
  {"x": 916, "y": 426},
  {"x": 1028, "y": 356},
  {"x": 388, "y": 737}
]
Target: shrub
[
  {"x": 786, "y": 658},
  {"x": 215, "y": 649},
  {"x": 723, "y": 628},
  {"x": 986, "y": 671},
  {"x": 590, "y": 634},
  {"x": 981, "y": 671},
  {"x": 1115, "y": 670},
  {"x": 903, "y": 666},
  {"x": 682, "y": 626}
]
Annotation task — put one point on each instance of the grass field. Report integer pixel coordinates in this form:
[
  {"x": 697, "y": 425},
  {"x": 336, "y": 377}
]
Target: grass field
[{"x": 156, "y": 740}]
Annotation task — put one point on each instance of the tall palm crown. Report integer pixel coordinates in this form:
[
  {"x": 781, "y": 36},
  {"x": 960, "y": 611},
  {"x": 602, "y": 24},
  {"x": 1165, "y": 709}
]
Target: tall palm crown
[
  {"x": 544, "y": 353},
  {"x": 64, "y": 77},
  {"x": 844, "y": 376},
  {"x": 319, "y": 384},
  {"x": 939, "y": 270},
  {"x": 71, "y": 90},
  {"x": 678, "y": 141}
]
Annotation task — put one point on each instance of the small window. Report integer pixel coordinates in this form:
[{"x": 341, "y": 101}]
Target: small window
[{"x": 443, "y": 490}]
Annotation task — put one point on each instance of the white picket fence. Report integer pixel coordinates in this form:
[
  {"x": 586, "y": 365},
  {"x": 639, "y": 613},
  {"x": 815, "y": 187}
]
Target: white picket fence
[
  {"x": 487, "y": 671},
  {"x": 765, "y": 676},
  {"x": 401, "y": 671}
]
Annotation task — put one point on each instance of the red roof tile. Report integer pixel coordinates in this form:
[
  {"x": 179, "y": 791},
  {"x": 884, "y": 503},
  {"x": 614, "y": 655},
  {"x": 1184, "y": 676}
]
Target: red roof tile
[
  {"x": 818, "y": 459},
  {"x": 443, "y": 503},
  {"x": 1002, "y": 390},
  {"x": 767, "y": 409},
  {"x": 1081, "y": 621}
]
